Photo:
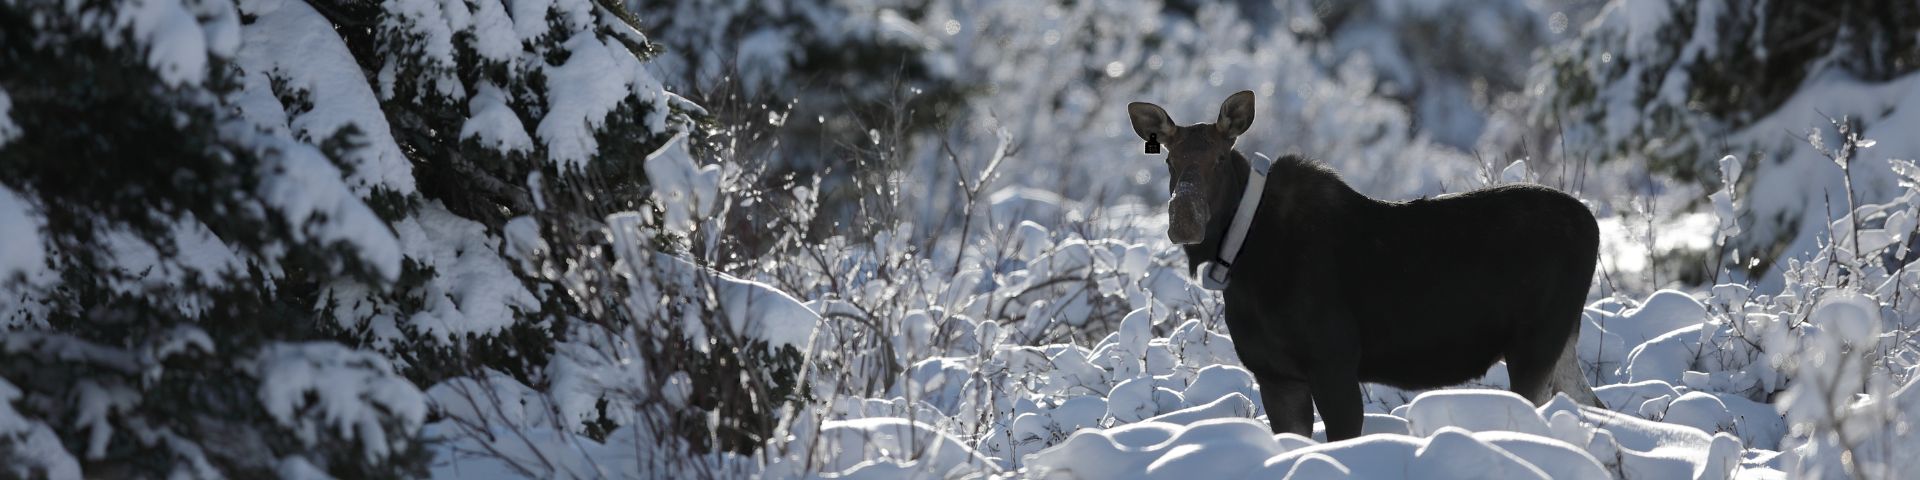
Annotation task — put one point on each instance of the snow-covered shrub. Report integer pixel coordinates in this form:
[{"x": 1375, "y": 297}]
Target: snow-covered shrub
[{"x": 303, "y": 239}]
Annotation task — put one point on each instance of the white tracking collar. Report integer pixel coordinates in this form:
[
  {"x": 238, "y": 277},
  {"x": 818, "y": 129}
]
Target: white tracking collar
[{"x": 1213, "y": 274}]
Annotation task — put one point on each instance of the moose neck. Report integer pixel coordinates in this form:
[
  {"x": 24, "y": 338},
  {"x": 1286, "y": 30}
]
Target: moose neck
[{"x": 1224, "y": 201}]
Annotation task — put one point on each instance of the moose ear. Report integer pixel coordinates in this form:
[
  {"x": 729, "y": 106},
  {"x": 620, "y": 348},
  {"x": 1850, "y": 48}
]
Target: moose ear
[
  {"x": 1236, "y": 114},
  {"x": 1150, "y": 120}
]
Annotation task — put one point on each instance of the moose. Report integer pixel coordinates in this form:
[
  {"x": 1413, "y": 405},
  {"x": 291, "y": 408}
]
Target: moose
[{"x": 1328, "y": 288}]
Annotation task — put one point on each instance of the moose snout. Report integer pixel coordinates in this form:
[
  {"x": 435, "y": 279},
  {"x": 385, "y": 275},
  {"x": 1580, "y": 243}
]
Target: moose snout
[{"x": 1186, "y": 218}]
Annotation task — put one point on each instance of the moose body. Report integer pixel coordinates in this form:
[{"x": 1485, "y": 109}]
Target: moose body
[{"x": 1333, "y": 288}]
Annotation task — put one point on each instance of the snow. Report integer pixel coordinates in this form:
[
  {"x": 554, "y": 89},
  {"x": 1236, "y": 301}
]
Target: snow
[
  {"x": 30, "y": 446},
  {"x": 1643, "y": 20},
  {"x": 593, "y": 81},
  {"x": 686, "y": 191},
  {"x": 489, "y": 398},
  {"x": 1662, "y": 313},
  {"x": 849, "y": 446},
  {"x": 1802, "y": 185},
  {"x": 300, "y": 183},
  {"x": 1724, "y": 209},
  {"x": 176, "y": 42},
  {"x": 350, "y": 392},
  {"x": 530, "y": 17},
  {"x": 1194, "y": 418},
  {"x": 493, "y": 122},
  {"x": 752, "y": 310},
  {"x": 1453, "y": 453},
  {"x": 1233, "y": 405},
  {"x": 52, "y": 347},
  {"x": 475, "y": 291},
  {"x": 198, "y": 255},
  {"x": 1667, "y": 357},
  {"x": 8, "y": 129},
  {"x": 95, "y": 403},
  {"x": 523, "y": 243},
  {"x": 22, "y": 253},
  {"x": 1219, "y": 382},
  {"x": 292, "y": 43},
  {"x": 493, "y": 35},
  {"x": 1217, "y": 448},
  {"x": 1061, "y": 339},
  {"x": 428, "y": 38},
  {"x": 1474, "y": 411}
]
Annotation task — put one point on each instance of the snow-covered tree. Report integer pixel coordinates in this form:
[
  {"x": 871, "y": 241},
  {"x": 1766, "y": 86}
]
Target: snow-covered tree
[
  {"x": 1459, "y": 67},
  {"x": 162, "y": 320},
  {"x": 254, "y": 230},
  {"x": 835, "y": 85},
  {"x": 1675, "y": 85}
]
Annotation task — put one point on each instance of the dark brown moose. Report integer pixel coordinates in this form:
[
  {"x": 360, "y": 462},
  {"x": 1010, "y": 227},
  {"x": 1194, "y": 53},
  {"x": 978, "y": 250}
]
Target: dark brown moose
[{"x": 1330, "y": 288}]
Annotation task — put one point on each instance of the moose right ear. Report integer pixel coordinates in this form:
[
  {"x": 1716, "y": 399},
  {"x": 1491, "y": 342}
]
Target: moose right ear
[{"x": 1150, "y": 121}]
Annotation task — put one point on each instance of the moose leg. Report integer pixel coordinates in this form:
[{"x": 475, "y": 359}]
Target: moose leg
[
  {"x": 1336, "y": 391},
  {"x": 1289, "y": 403},
  {"x": 1530, "y": 364}
]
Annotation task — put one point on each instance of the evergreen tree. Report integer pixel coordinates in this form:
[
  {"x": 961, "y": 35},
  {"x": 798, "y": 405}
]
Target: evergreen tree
[
  {"x": 1663, "y": 81},
  {"x": 265, "y": 226},
  {"x": 1675, "y": 86},
  {"x": 842, "y": 71}
]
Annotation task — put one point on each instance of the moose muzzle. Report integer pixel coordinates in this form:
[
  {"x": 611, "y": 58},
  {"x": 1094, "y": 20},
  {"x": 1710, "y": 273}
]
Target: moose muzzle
[{"x": 1186, "y": 216}]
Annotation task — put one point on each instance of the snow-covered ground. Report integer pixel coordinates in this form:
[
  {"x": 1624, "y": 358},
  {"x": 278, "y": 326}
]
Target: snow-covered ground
[
  {"x": 1015, "y": 310},
  {"x": 1724, "y": 383},
  {"x": 1164, "y": 397}
]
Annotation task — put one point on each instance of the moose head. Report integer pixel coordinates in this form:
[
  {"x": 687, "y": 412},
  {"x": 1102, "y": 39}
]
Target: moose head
[{"x": 1199, "y": 159}]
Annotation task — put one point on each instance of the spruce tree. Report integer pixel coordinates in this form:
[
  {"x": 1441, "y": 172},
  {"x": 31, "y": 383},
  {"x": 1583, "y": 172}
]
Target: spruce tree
[
  {"x": 265, "y": 226},
  {"x": 1663, "y": 81}
]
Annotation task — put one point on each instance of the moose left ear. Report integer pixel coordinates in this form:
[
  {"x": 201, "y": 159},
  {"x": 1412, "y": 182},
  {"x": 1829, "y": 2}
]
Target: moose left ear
[
  {"x": 1150, "y": 122},
  {"x": 1236, "y": 114}
]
